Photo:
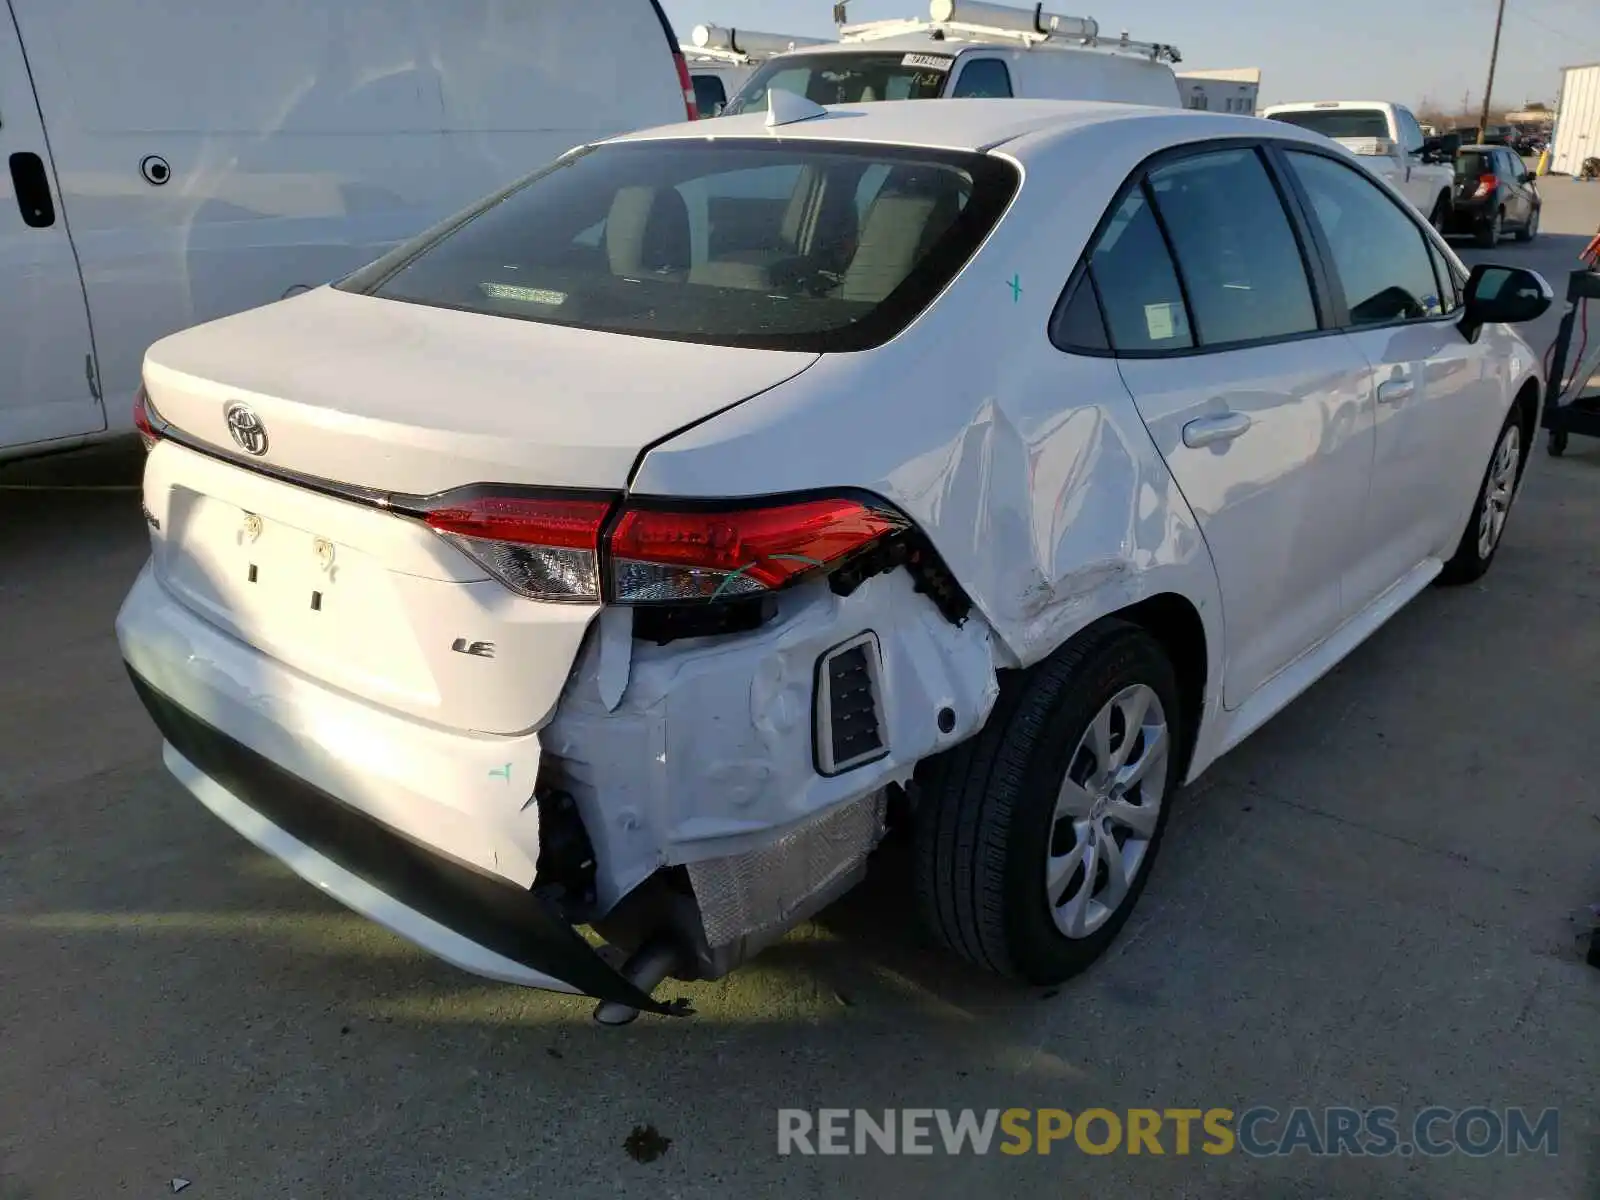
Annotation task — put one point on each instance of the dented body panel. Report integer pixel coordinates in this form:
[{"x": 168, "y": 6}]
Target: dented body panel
[{"x": 710, "y": 750}]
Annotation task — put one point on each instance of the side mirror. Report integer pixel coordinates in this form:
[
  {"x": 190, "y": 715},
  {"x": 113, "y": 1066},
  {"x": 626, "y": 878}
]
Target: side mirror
[
  {"x": 1503, "y": 296},
  {"x": 1528, "y": 177}
]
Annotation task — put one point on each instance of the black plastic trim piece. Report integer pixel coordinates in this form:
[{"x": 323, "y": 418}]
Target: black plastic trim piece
[{"x": 493, "y": 912}]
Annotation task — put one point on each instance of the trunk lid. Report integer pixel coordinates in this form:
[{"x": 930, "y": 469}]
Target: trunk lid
[
  {"x": 407, "y": 398},
  {"x": 396, "y": 398}
]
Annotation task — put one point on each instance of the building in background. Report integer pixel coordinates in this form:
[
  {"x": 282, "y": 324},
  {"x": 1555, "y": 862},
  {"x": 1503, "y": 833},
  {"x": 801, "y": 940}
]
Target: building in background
[
  {"x": 1577, "y": 134},
  {"x": 1232, "y": 90}
]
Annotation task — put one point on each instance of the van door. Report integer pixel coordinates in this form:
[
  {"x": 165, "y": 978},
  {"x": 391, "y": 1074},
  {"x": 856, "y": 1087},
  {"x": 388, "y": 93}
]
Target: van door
[{"x": 48, "y": 379}]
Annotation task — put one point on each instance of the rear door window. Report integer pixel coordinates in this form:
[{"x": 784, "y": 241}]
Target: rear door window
[
  {"x": 1237, "y": 253},
  {"x": 709, "y": 94},
  {"x": 1138, "y": 285}
]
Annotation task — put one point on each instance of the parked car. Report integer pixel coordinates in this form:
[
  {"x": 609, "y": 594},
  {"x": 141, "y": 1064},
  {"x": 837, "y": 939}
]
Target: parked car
[
  {"x": 1495, "y": 193},
  {"x": 967, "y": 49},
  {"x": 198, "y": 166},
  {"x": 1498, "y": 135},
  {"x": 1392, "y": 141},
  {"x": 618, "y": 553}
]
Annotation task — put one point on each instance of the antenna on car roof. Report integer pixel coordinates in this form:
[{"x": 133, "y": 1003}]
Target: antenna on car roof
[{"x": 786, "y": 108}]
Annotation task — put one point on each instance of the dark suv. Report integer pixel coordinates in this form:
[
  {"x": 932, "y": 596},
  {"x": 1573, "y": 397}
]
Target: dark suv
[{"x": 1494, "y": 192}]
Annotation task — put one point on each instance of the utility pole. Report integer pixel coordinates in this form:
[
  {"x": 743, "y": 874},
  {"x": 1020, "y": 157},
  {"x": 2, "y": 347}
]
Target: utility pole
[{"x": 1494, "y": 54}]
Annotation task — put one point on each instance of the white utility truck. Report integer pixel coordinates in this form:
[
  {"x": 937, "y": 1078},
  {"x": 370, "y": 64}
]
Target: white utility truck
[
  {"x": 721, "y": 59},
  {"x": 965, "y": 48},
  {"x": 1390, "y": 142},
  {"x": 169, "y": 162}
]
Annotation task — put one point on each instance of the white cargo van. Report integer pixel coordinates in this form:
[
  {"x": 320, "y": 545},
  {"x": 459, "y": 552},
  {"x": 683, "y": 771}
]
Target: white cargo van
[
  {"x": 967, "y": 48},
  {"x": 721, "y": 59},
  {"x": 172, "y": 161}
]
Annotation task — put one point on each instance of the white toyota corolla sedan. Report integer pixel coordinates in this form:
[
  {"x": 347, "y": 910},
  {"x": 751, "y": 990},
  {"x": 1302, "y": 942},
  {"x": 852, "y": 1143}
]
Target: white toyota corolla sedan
[{"x": 632, "y": 551}]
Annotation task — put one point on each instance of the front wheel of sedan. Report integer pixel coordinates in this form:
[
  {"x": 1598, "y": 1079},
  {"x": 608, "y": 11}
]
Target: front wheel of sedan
[
  {"x": 1035, "y": 838},
  {"x": 1481, "y": 538}
]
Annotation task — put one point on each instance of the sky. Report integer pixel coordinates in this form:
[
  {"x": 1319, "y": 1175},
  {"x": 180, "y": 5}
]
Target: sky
[{"x": 1416, "y": 52}]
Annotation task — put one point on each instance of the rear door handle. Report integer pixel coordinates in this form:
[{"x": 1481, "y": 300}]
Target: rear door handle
[
  {"x": 1392, "y": 391},
  {"x": 31, "y": 183},
  {"x": 1223, "y": 427}
]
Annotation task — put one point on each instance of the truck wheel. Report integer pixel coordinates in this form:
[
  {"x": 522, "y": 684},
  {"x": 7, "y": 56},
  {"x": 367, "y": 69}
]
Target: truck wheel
[
  {"x": 1035, "y": 837},
  {"x": 1492, "y": 230},
  {"x": 1440, "y": 219}
]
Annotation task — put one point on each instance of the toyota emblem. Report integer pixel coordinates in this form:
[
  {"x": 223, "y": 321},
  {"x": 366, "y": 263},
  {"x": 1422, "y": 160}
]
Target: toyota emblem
[{"x": 249, "y": 434}]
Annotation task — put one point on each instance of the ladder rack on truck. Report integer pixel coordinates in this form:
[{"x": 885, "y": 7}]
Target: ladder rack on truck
[
  {"x": 742, "y": 47},
  {"x": 1000, "y": 24}
]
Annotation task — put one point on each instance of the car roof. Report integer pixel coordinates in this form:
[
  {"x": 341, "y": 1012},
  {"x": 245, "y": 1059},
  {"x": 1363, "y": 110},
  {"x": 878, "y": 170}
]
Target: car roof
[{"x": 973, "y": 124}]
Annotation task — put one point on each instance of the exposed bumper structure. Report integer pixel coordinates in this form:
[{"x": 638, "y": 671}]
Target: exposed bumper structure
[{"x": 478, "y": 922}]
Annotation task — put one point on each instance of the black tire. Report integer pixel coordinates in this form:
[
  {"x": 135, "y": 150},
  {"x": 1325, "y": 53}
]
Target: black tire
[
  {"x": 1531, "y": 230},
  {"x": 986, "y": 817},
  {"x": 1440, "y": 217},
  {"x": 1470, "y": 560},
  {"x": 1491, "y": 231},
  {"x": 1558, "y": 443}
]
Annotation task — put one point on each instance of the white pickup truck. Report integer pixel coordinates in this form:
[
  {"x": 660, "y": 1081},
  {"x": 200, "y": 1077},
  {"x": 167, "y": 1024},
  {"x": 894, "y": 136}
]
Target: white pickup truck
[{"x": 1378, "y": 130}]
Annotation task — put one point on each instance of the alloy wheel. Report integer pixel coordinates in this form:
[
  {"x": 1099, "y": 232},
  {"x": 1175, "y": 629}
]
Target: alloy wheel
[
  {"x": 1498, "y": 489},
  {"x": 1107, "y": 811}
]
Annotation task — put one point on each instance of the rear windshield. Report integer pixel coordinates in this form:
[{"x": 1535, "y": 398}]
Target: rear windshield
[
  {"x": 1339, "y": 122},
  {"x": 1470, "y": 164},
  {"x": 778, "y": 245},
  {"x": 846, "y": 78}
]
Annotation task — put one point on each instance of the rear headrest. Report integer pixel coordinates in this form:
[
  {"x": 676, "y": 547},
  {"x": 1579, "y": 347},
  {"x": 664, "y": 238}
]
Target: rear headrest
[{"x": 647, "y": 232}]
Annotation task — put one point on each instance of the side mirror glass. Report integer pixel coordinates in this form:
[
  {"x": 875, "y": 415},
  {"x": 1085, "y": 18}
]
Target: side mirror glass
[
  {"x": 1503, "y": 296},
  {"x": 1528, "y": 177}
]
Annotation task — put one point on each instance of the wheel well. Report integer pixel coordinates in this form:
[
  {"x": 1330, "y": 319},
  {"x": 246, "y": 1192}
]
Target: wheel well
[{"x": 1176, "y": 624}]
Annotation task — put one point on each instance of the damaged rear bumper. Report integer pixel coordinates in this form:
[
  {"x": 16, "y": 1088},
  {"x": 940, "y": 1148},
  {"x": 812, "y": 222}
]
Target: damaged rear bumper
[{"x": 479, "y": 922}]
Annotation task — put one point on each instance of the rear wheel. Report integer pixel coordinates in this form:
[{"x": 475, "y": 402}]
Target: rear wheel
[
  {"x": 1440, "y": 219},
  {"x": 1034, "y": 838},
  {"x": 1492, "y": 230},
  {"x": 1481, "y": 538},
  {"x": 1531, "y": 230}
]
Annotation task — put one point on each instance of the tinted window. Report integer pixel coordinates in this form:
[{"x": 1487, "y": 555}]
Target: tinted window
[
  {"x": 1449, "y": 287},
  {"x": 1339, "y": 122},
  {"x": 708, "y": 93},
  {"x": 1380, "y": 255},
  {"x": 1138, "y": 286},
  {"x": 1237, "y": 252},
  {"x": 1472, "y": 163},
  {"x": 1079, "y": 324},
  {"x": 846, "y": 78},
  {"x": 734, "y": 242},
  {"x": 984, "y": 77}
]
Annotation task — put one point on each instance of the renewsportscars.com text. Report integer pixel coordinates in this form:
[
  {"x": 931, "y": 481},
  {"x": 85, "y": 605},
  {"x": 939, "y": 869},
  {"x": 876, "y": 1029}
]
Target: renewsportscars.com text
[{"x": 1259, "y": 1132}]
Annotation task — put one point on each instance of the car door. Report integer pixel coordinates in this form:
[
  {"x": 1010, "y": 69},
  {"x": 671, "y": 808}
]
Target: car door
[
  {"x": 1255, "y": 405},
  {"x": 47, "y": 366},
  {"x": 1398, "y": 301},
  {"x": 1519, "y": 210}
]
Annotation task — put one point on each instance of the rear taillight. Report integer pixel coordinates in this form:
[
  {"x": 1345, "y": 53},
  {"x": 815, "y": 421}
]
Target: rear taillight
[
  {"x": 674, "y": 555},
  {"x": 150, "y": 424},
  {"x": 549, "y": 548},
  {"x": 687, "y": 84},
  {"x": 545, "y": 549},
  {"x": 1486, "y": 184}
]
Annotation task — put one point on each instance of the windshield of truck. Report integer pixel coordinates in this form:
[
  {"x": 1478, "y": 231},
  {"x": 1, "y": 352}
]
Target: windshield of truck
[
  {"x": 846, "y": 78},
  {"x": 792, "y": 245},
  {"x": 1339, "y": 122}
]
